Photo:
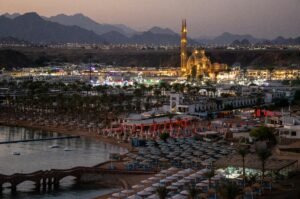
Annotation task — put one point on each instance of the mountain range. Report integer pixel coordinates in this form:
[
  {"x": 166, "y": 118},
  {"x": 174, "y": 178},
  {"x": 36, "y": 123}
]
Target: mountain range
[
  {"x": 79, "y": 28},
  {"x": 228, "y": 38},
  {"x": 33, "y": 28},
  {"x": 87, "y": 23}
]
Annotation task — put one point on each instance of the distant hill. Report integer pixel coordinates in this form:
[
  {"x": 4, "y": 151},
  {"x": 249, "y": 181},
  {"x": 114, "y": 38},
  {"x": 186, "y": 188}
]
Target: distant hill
[
  {"x": 115, "y": 37},
  {"x": 144, "y": 38},
  {"x": 228, "y": 38},
  {"x": 289, "y": 41},
  {"x": 89, "y": 24},
  {"x": 127, "y": 30},
  {"x": 11, "y": 16},
  {"x": 13, "y": 59},
  {"x": 120, "y": 34},
  {"x": 243, "y": 42},
  {"x": 12, "y": 40},
  {"x": 158, "y": 30},
  {"x": 33, "y": 28},
  {"x": 236, "y": 39},
  {"x": 152, "y": 38}
]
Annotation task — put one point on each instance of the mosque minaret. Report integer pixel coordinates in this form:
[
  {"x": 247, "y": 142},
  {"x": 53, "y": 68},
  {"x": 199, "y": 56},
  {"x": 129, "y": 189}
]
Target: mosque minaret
[{"x": 198, "y": 65}]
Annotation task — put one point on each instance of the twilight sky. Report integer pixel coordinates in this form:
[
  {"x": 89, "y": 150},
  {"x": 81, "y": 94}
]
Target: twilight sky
[{"x": 261, "y": 18}]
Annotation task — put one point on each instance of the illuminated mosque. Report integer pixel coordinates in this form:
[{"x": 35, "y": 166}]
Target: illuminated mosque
[{"x": 198, "y": 65}]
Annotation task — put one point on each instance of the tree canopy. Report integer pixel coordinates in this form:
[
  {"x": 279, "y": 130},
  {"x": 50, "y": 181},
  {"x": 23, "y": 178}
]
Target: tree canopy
[{"x": 264, "y": 133}]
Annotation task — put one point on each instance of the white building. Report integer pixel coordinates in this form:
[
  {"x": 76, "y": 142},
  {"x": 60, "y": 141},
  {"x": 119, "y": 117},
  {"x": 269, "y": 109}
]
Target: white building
[
  {"x": 291, "y": 128},
  {"x": 200, "y": 106}
]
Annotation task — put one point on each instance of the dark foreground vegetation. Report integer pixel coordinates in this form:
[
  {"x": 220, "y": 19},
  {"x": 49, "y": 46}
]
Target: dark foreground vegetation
[{"x": 38, "y": 56}]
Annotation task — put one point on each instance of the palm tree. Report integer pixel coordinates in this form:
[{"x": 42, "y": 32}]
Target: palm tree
[
  {"x": 193, "y": 192},
  {"x": 229, "y": 191},
  {"x": 209, "y": 175},
  {"x": 263, "y": 155},
  {"x": 243, "y": 153},
  {"x": 170, "y": 116},
  {"x": 162, "y": 192}
]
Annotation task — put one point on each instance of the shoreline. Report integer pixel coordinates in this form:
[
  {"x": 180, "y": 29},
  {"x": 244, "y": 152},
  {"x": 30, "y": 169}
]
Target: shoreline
[
  {"x": 78, "y": 132},
  {"x": 67, "y": 131}
]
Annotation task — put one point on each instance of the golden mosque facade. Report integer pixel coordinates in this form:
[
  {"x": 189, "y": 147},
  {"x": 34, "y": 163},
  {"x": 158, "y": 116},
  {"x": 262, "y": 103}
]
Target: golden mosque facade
[{"x": 197, "y": 65}]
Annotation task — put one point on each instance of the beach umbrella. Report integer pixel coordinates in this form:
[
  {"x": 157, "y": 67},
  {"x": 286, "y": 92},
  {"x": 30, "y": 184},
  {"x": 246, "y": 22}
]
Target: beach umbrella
[
  {"x": 184, "y": 181},
  {"x": 118, "y": 195},
  {"x": 166, "y": 171},
  {"x": 181, "y": 172},
  {"x": 172, "y": 187},
  {"x": 184, "y": 192},
  {"x": 218, "y": 156},
  {"x": 204, "y": 170},
  {"x": 178, "y": 158},
  {"x": 178, "y": 196},
  {"x": 177, "y": 184},
  {"x": 197, "y": 160},
  {"x": 165, "y": 181},
  {"x": 201, "y": 184},
  {"x": 134, "y": 197},
  {"x": 189, "y": 170},
  {"x": 195, "y": 175},
  {"x": 163, "y": 159},
  {"x": 204, "y": 156},
  {"x": 204, "y": 163},
  {"x": 156, "y": 185},
  {"x": 138, "y": 186},
  {"x": 146, "y": 162},
  {"x": 153, "y": 178},
  {"x": 189, "y": 178},
  {"x": 172, "y": 178},
  {"x": 206, "y": 181},
  {"x": 145, "y": 181},
  {"x": 197, "y": 153},
  {"x": 171, "y": 156},
  {"x": 160, "y": 175},
  {"x": 155, "y": 157},
  {"x": 143, "y": 193},
  {"x": 172, "y": 169},
  {"x": 139, "y": 158},
  {"x": 185, "y": 161},
  {"x": 153, "y": 196},
  {"x": 127, "y": 191},
  {"x": 150, "y": 189},
  {"x": 179, "y": 175}
]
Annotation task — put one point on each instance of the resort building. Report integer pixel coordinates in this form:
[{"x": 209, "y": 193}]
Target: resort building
[
  {"x": 153, "y": 124},
  {"x": 258, "y": 74},
  {"x": 291, "y": 128},
  {"x": 201, "y": 106},
  {"x": 274, "y": 74}
]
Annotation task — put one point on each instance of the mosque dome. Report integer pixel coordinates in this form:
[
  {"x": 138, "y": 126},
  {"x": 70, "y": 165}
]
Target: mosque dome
[{"x": 199, "y": 60}]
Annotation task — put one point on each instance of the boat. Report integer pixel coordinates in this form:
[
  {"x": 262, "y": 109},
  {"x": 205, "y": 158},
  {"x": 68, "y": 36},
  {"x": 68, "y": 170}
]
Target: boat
[
  {"x": 67, "y": 149},
  {"x": 54, "y": 146},
  {"x": 16, "y": 153}
]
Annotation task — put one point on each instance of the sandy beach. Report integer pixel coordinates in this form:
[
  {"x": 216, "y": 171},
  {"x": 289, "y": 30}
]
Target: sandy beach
[{"x": 66, "y": 131}]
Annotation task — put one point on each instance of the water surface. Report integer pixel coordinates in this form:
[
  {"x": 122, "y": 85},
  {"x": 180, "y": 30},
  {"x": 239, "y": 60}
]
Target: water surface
[{"x": 40, "y": 156}]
